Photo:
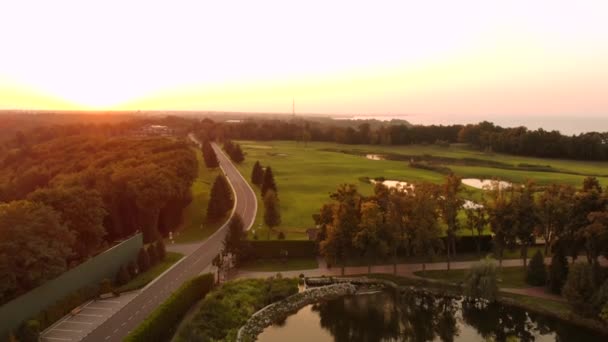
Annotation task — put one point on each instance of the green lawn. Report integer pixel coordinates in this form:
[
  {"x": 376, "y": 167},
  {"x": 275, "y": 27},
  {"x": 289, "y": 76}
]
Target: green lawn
[
  {"x": 306, "y": 175},
  {"x": 278, "y": 265},
  {"x": 194, "y": 214},
  {"x": 143, "y": 279},
  {"x": 511, "y": 277}
]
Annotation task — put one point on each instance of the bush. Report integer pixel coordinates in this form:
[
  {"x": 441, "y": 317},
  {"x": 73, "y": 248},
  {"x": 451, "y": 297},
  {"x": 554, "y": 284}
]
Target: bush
[
  {"x": 281, "y": 236},
  {"x": 161, "y": 251},
  {"x": 105, "y": 286},
  {"x": 536, "y": 274},
  {"x": 29, "y": 331},
  {"x": 600, "y": 298},
  {"x": 558, "y": 272},
  {"x": 62, "y": 307},
  {"x": 481, "y": 280},
  {"x": 122, "y": 277},
  {"x": 132, "y": 269},
  {"x": 579, "y": 288},
  {"x": 151, "y": 250},
  {"x": 143, "y": 260},
  {"x": 162, "y": 322}
]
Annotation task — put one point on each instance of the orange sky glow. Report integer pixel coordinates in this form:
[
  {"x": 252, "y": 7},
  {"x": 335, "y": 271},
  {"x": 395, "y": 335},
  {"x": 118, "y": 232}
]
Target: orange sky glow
[{"x": 373, "y": 57}]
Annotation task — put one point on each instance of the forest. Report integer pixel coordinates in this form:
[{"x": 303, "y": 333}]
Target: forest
[
  {"x": 69, "y": 192},
  {"x": 484, "y": 136}
]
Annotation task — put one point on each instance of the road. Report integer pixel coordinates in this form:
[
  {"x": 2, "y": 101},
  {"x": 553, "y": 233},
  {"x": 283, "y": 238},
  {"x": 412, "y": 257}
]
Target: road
[{"x": 117, "y": 327}]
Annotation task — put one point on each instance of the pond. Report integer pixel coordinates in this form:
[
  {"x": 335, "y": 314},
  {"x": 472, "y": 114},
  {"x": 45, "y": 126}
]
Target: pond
[
  {"x": 408, "y": 316},
  {"x": 484, "y": 183},
  {"x": 375, "y": 157}
]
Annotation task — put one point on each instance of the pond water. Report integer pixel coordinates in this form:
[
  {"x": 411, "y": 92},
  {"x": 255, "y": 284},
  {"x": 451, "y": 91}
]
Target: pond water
[
  {"x": 391, "y": 316},
  {"x": 375, "y": 156},
  {"x": 484, "y": 183}
]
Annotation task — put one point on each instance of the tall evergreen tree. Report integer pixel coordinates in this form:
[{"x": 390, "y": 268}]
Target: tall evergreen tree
[
  {"x": 237, "y": 155},
  {"x": 272, "y": 215},
  {"x": 220, "y": 200},
  {"x": 268, "y": 183},
  {"x": 209, "y": 155},
  {"x": 257, "y": 174},
  {"x": 235, "y": 241}
]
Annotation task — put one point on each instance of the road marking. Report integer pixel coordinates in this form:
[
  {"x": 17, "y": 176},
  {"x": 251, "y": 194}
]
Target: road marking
[
  {"x": 77, "y": 322},
  {"x": 66, "y": 330},
  {"x": 57, "y": 338},
  {"x": 97, "y": 308},
  {"x": 108, "y": 337},
  {"x": 123, "y": 324},
  {"x": 115, "y": 331},
  {"x": 88, "y": 315},
  {"x": 109, "y": 301}
]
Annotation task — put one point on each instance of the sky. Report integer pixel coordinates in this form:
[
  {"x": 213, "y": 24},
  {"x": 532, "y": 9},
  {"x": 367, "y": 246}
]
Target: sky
[{"x": 428, "y": 58}]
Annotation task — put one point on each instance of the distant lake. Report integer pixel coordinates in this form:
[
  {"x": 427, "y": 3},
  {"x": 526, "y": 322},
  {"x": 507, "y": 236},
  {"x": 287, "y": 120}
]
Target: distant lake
[{"x": 565, "y": 124}]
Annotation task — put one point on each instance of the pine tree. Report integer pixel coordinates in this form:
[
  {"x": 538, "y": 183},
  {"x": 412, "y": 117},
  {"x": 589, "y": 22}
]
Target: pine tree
[
  {"x": 143, "y": 260},
  {"x": 558, "y": 271},
  {"x": 220, "y": 200},
  {"x": 268, "y": 182},
  {"x": 152, "y": 255},
  {"x": 272, "y": 215},
  {"x": 161, "y": 252},
  {"x": 235, "y": 241},
  {"x": 209, "y": 155},
  {"x": 536, "y": 274},
  {"x": 237, "y": 155},
  {"x": 122, "y": 277},
  {"x": 257, "y": 174}
]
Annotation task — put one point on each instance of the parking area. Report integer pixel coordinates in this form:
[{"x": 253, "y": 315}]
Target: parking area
[{"x": 92, "y": 314}]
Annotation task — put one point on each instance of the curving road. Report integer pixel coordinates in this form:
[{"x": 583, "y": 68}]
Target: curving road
[{"x": 118, "y": 326}]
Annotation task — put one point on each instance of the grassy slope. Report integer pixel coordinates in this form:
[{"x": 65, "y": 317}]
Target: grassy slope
[
  {"x": 277, "y": 265},
  {"x": 143, "y": 279},
  {"x": 512, "y": 277},
  {"x": 306, "y": 175},
  {"x": 195, "y": 212}
]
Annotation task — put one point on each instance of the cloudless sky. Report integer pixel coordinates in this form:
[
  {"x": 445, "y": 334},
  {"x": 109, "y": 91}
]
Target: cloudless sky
[{"x": 542, "y": 57}]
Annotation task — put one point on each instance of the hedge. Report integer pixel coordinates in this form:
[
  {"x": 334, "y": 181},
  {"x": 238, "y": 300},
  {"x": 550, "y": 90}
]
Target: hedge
[
  {"x": 163, "y": 321},
  {"x": 277, "y": 249}
]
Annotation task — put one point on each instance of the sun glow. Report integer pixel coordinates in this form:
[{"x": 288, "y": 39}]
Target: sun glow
[{"x": 469, "y": 57}]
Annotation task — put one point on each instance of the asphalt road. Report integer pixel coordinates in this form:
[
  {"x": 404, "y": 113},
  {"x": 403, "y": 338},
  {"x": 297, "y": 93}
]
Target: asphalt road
[{"x": 117, "y": 327}]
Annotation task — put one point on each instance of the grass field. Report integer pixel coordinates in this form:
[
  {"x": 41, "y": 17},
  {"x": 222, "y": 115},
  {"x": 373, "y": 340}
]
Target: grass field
[
  {"x": 278, "y": 265},
  {"x": 510, "y": 277},
  {"x": 143, "y": 279},
  {"x": 195, "y": 213},
  {"x": 306, "y": 175}
]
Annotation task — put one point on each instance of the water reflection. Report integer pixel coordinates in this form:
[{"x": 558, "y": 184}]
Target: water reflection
[{"x": 388, "y": 316}]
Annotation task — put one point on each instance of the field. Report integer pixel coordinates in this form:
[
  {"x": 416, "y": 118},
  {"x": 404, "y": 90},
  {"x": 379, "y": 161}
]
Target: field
[
  {"x": 306, "y": 175},
  {"x": 194, "y": 214}
]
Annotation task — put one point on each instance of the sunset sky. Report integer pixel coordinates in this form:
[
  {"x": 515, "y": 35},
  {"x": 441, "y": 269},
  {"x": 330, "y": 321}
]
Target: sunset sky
[{"x": 375, "y": 57}]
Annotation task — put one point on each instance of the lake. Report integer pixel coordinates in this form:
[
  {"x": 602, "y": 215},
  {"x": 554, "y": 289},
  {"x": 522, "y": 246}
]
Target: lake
[{"x": 393, "y": 316}]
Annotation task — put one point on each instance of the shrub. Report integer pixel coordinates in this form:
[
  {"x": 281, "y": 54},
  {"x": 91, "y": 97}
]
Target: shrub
[
  {"x": 481, "y": 280},
  {"x": 105, "y": 286},
  {"x": 143, "y": 260},
  {"x": 122, "y": 277},
  {"x": 558, "y": 272},
  {"x": 600, "y": 298},
  {"x": 579, "y": 288},
  {"x": 281, "y": 236},
  {"x": 29, "y": 331},
  {"x": 163, "y": 321},
  {"x": 151, "y": 250},
  {"x": 132, "y": 269},
  {"x": 536, "y": 273},
  {"x": 161, "y": 251}
]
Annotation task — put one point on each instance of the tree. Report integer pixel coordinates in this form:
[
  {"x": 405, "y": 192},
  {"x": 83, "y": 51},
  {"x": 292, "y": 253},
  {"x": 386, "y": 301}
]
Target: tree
[
  {"x": 595, "y": 236},
  {"x": 501, "y": 216},
  {"x": 161, "y": 252},
  {"x": 143, "y": 260},
  {"x": 426, "y": 233},
  {"x": 257, "y": 174},
  {"x": 272, "y": 214},
  {"x": 525, "y": 218},
  {"x": 337, "y": 245},
  {"x": 235, "y": 241},
  {"x": 220, "y": 199},
  {"x": 81, "y": 211},
  {"x": 237, "y": 155},
  {"x": 580, "y": 287},
  {"x": 536, "y": 274},
  {"x": 450, "y": 203},
  {"x": 370, "y": 238},
  {"x": 477, "y": 221},
  {"x": 268, "y": 183},
  {"x": 481, "y": 281},
  {"x": 209, "y": 155},
  {"x": 151, "y": 250},
  {"x": 122, "y": 277},
  {"x": 553, "y": 210},
  {"x": 558, "y": 270},
  {"x": 34, "y": 246}
]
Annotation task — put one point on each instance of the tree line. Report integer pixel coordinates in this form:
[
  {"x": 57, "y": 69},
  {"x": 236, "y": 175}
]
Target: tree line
[
  {"x": 68, "y": 198},
  {"x": 422, "y": 220},
  {"x": 485, "y": 136}
]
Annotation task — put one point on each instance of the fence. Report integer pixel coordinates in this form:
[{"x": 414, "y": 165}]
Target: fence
[{"x": 90, "y": 272}]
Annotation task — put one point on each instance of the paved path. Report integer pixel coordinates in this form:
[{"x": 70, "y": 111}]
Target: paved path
[{"x": 117, "y": 327}]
